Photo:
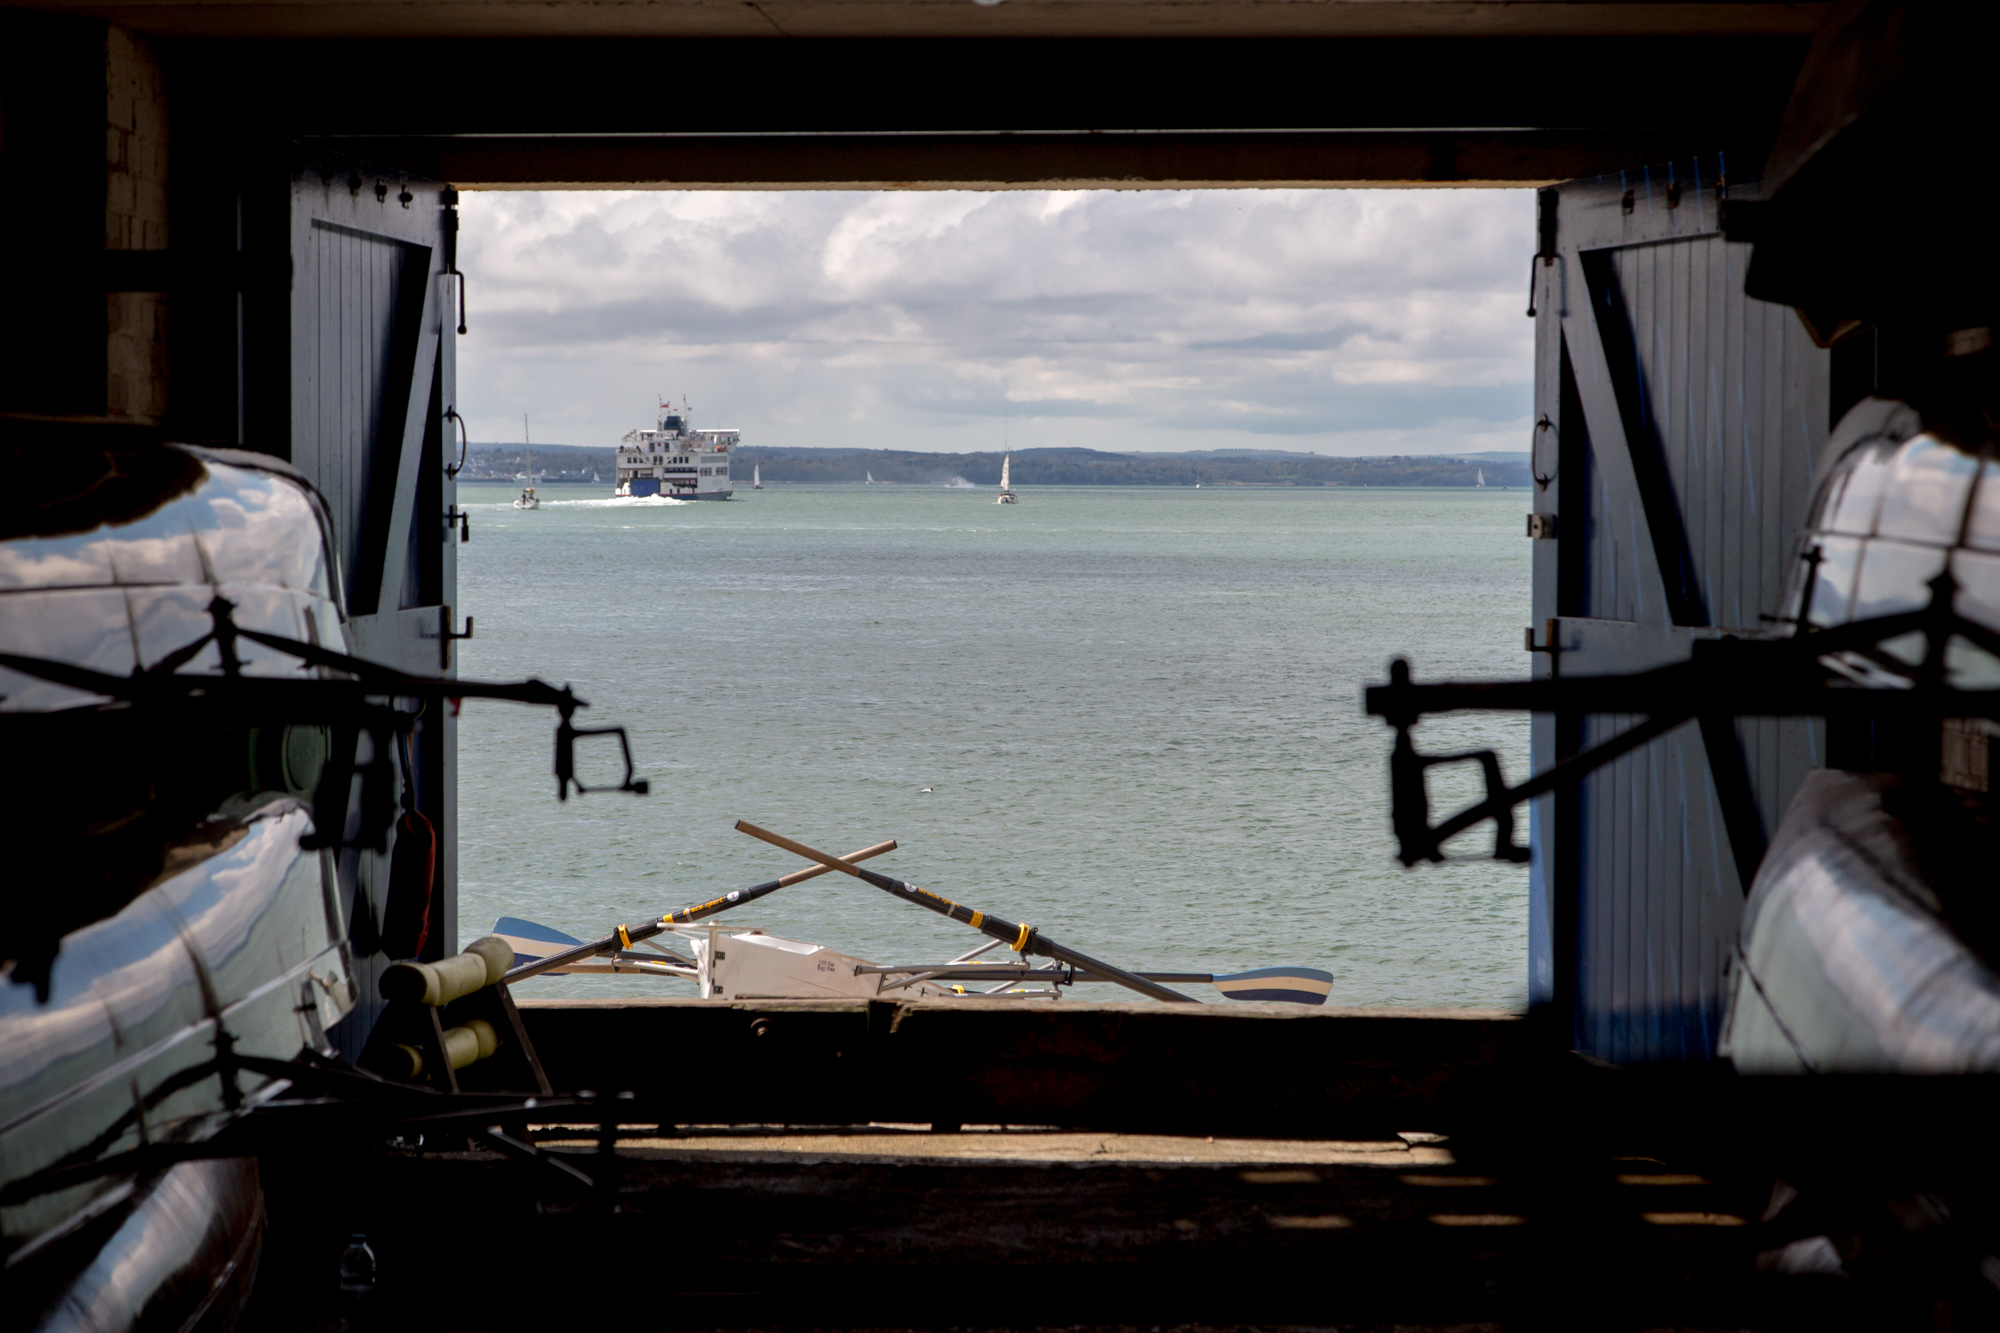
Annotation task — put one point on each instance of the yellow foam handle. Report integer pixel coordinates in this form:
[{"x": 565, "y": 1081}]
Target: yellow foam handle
[
  {"x": 484, "y": 962},
  {"x": 499, "y": 956}
]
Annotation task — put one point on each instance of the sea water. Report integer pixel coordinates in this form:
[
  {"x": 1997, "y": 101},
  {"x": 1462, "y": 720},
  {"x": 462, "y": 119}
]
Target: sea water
[{"x": 1132, "y": 717}]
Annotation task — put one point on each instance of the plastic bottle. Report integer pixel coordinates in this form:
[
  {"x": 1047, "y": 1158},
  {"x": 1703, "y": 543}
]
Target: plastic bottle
[{"x": 357, "y": 1268}]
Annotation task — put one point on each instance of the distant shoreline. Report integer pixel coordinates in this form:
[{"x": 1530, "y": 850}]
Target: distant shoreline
[
  {"x": 547, "y": 482},
  {"x": 1050, "y": 467}
]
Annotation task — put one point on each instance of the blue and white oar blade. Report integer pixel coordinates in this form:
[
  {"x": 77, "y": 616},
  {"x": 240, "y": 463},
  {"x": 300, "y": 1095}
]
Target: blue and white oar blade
[
  {"x": 532, "y": 941},
  {"x": 1292, "y": 985}
]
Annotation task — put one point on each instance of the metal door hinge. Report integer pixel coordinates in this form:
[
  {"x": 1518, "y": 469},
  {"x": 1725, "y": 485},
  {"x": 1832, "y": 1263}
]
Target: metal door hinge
[
  {"x": 1542, "y": 527},
  {"x": 455, "y": 517}
]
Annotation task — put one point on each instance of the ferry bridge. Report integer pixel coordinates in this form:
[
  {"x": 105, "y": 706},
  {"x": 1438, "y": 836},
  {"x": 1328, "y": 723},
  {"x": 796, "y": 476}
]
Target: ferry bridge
[{"x": 233, "y": 223}]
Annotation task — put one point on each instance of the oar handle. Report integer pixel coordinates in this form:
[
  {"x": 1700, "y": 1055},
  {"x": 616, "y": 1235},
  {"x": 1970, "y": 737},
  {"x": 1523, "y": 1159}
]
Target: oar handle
[
  {"x": 1021, "y": 937},
  {"x": 624, "y": 936}
]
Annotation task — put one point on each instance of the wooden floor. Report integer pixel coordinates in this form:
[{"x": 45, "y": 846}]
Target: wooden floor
[
  {"x": 902, "y": 1227},
  {"x": 1117, "y": 1167}
]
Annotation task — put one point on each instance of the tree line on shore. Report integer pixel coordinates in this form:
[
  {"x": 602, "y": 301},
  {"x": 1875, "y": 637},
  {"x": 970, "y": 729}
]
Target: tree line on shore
[
  {"x": 1037, "y": 467},
  {"x": 1089, "y": 467}
]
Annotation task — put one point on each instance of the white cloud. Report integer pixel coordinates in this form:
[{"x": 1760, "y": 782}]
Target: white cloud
[{"x": 1346, "y": 321}]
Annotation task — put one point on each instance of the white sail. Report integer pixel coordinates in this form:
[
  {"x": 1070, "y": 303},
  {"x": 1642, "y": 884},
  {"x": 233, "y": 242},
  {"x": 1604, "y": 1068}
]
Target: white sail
[
  {"x": 756, "y": 476},
  {"x": 1007, "y": 496},
  {"x": 871, "y": 480},
  {"x": 528, "y": 500}
]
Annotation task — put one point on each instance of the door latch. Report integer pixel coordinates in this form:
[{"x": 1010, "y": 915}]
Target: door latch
[
  {"x": 1548, "y": 644},
  {"x": 446, "y": 634}
]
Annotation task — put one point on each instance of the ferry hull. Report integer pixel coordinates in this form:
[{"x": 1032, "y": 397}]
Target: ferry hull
[
  {"x": 676, "y": 460},
  {"x": 643, "y": 487}
]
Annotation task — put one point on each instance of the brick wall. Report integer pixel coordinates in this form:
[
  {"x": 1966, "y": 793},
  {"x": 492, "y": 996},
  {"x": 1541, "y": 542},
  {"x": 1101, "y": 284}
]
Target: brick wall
[{"x": 135, "y": 218}]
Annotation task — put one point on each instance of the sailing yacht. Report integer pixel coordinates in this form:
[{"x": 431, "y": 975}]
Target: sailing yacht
[
  {"x": 871, "y": 479},
  {"x": 1007, "y": 496},
  {"x": 756, "y": 476},
  {"x": 528, "y": 500},
  {"x": 1480, "y": 475}
]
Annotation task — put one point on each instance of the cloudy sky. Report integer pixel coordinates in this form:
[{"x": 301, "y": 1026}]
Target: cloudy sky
[{"x": 1339, "y": 321}]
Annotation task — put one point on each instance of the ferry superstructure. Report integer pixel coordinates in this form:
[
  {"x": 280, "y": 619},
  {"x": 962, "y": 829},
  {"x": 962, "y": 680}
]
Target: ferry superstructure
[{"x": 676, "y": 459}]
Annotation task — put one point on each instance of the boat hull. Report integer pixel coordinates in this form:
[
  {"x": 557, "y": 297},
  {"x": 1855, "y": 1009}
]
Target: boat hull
[
  {"x": 182, "y": 1254},
  {"x": 1848, "y": 961}
]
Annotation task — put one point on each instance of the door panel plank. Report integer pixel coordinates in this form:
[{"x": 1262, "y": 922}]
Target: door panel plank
[{"x": 414, "y": 423}]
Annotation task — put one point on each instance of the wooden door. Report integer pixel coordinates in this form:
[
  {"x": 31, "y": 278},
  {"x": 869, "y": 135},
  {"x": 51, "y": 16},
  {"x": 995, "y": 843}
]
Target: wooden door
[
  {"x": 1678, "y": 428},
  {"x": 372, "y": 318}
]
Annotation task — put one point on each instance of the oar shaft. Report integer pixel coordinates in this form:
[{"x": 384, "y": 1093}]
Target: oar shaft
[
  {"x": 1017, "y": 972},
  {"x": 738, "y": 897},
  {"x": 623, "y": 937},
  {"x": 1019, "y": 936}
]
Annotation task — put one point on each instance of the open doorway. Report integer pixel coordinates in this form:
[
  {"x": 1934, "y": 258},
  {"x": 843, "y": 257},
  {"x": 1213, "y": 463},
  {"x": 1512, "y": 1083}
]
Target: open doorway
[{"x": 1128, "y": 706}]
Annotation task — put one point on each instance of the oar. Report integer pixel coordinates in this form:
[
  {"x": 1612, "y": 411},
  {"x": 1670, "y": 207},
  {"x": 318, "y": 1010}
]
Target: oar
[
  {"x": 1022, "y": 938},
  {"x": 1291, "y": 985},
  {"x": 531, "y": 940},
  {"x": 623, "y": 937}
]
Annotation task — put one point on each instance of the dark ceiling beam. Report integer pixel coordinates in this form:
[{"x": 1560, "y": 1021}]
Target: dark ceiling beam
[
  {"x": 870, "y": 114},
  {"x": 767, "y": 20},
  {"x": 589, "y": 87},
  {"x": 1020, "y": 161}
]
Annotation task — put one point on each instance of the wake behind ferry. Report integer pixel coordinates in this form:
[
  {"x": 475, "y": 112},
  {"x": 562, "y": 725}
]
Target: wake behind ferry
[{"x": 676, "y": 460}]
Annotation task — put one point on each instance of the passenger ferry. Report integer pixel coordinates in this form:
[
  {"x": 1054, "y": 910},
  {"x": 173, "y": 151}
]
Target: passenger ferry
[{"x": 676, "y": 460}]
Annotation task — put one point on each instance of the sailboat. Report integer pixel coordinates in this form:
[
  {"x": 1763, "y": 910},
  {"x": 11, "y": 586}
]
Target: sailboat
[
  {"x": 871, "y": 480},
  {"x": 1479, "y": 475},
  {"x": 756, "y": 476},
  {"x": 528, "y": 500},
  {"x": 1007, "y": 496}
]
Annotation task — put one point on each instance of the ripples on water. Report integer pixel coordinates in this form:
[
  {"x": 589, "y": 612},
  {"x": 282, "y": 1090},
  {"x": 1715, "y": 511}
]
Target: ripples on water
[{"x": 1139, "y": 711}]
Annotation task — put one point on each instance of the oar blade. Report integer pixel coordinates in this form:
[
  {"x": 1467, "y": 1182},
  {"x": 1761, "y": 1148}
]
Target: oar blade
[
  {"x": 1290, "y": 985},
  {"x": 532, "y": 941}
]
